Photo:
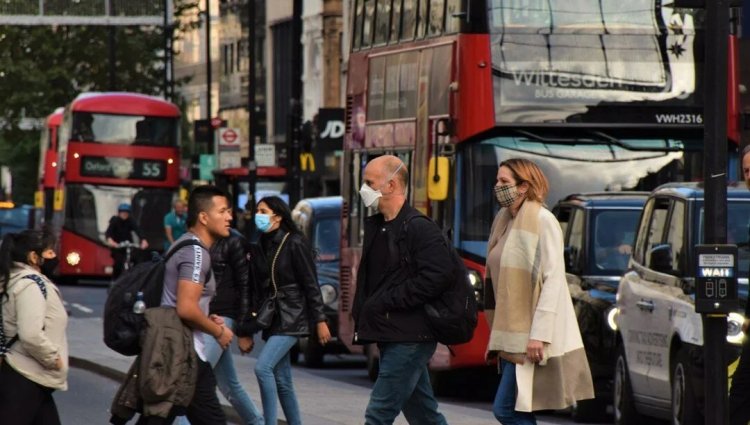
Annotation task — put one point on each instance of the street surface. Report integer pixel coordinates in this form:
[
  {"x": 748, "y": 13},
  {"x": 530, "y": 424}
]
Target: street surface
[{"x": 333, "y": 394}]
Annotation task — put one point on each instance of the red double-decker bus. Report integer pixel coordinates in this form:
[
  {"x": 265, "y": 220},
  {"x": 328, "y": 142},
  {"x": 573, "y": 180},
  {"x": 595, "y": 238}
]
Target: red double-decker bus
[
  {"x": 113, "y": 148},
  {"x": 48, "y": 163},
  {"x": 602, "y": 95}
]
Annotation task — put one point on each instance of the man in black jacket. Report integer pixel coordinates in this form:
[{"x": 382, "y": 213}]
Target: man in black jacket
[
  {"x": 121, "y": 229},
  {"x": 388, "y": 305},
  {"x": 739, "y": 393}
]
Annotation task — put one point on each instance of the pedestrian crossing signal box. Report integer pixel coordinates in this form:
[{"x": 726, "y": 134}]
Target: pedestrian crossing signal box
[{"x": 716, "y": 279}]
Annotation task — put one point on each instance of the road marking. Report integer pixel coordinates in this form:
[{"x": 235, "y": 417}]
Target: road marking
[{"x": 83, "y": 308}]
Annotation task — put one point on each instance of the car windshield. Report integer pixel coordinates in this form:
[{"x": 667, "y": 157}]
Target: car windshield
[
  {"x": 738, "y": 231},
  {"x": 613, "y": 233},
  {"x": 327, "y": 237}
]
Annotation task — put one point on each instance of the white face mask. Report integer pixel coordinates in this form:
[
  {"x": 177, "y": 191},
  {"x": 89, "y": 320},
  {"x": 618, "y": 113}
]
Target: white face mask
[{"x": 370, "y": 196}]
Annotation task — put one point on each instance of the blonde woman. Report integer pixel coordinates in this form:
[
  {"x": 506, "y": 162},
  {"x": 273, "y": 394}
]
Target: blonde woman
[{"x": 534, "y": 331}]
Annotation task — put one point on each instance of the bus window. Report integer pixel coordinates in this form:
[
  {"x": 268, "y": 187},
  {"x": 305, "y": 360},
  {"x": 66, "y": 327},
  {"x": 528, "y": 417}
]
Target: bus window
[
  {"x": 125, "y": 129},
  {"x": 440, "y": 79},
  {"x": 408, "y": 84},
  {"x": 396, "y": 21},
  {"x": 422, "y": 18},
  {"x": 382, "y": 22},
  {"x": 408, "y": 19},
  {"x": 437, "y": 16},
  {"x": 375, "y": 88},
  {"x": 368, "y": 24},
  {"x": 392, "y": 98},
  {"x": 357, "y": 26},
  {"x": 452, "y": 24}
]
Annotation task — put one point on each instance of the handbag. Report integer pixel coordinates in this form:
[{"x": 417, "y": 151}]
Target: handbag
[{"x": 262, "y": 317}]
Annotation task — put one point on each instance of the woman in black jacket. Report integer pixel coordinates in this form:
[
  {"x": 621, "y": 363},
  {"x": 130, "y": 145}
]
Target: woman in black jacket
[{"x": 285, "y": 267}]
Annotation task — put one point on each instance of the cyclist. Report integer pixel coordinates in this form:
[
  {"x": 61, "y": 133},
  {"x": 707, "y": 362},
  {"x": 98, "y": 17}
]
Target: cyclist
[{"x": 121, "y": 229}]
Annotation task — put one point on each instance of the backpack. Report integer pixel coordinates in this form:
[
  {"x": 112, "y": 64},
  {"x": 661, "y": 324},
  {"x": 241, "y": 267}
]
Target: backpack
[
  {"x": 5, "y": 344},
  {"x": 453, "y": 316},
  {"x": 122, "y": 327}
]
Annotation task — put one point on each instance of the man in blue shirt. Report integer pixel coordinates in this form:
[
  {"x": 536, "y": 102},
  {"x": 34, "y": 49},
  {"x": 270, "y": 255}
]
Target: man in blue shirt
[{"x": 174, "y": 223}]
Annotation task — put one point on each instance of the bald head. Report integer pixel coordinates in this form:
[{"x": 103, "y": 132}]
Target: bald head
[
  {"x": 388, "y": 176},
  {"x": 389, "y": 167}
]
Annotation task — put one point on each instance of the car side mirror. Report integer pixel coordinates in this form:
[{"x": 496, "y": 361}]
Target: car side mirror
[{"x": 660, "y": 258}]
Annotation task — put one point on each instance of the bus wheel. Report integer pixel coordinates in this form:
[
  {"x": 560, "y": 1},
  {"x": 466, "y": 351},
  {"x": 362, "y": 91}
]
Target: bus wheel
[
  {"x": 684, "y": 405},
  {"x": 373, "y": 361}
]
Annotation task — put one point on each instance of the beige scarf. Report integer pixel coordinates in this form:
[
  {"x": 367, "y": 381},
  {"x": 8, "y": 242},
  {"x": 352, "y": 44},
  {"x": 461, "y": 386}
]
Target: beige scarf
[{"x": 517, "y": 283}]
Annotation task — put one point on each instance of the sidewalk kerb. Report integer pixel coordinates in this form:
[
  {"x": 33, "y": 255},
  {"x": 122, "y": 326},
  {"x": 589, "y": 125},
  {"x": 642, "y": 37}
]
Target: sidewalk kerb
[{"x": 116, "y": 375}]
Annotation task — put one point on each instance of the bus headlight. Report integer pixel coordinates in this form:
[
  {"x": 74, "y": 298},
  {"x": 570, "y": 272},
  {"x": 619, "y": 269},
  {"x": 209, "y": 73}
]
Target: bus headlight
[
  {"x": 73, "y": 258},
  {"x": 735, "y": 335},
  {"x": 476, "y": 282},
  {"x": 329, "y": 293},
  {"x": 611, "y": 316}
]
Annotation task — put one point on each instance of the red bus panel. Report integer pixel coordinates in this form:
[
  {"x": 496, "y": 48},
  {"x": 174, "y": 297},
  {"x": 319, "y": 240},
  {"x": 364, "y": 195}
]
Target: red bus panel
[
  {"x": 124, "y": 104},
  {"x": 94, "y": 258},
  {"x": 474, "y": 106}
]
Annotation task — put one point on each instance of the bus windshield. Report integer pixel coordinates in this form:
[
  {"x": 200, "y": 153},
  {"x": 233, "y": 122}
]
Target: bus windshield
[
  {"x": 89, "y": 209},
  {"x": 124, "y": 129},
  {"x": 589, "y": 165}
]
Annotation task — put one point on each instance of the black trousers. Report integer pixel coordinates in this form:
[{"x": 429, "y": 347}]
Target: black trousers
[
  {"x": 204, "y": 409},
  {"x": 24, "y": 402},
  {"x": 739, "y": 394},
  {"x": 118, "y": 259}
]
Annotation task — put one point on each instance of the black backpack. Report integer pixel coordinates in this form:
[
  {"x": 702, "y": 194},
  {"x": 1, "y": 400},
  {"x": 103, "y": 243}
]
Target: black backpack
[
  {"x": 122, "y": 327},
  {"x": 452, "y": 317}
]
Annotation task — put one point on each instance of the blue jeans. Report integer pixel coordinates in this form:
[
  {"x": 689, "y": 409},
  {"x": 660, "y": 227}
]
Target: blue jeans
[
  {"x": 403, "y": 385},
  {"x": 226, "y": 379},
  {"x": 504, "y": 407},
  {"x": 274, "y": 372}
]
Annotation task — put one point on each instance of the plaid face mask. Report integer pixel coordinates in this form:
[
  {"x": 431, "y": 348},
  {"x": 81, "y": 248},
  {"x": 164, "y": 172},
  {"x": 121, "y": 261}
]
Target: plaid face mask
[{"x": 506, "y": 194}]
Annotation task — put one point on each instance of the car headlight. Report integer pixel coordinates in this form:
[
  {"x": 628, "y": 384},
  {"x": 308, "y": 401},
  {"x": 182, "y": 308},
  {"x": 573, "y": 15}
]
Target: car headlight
[
  {"x": 329, "y": 293},
  {"x": 734, "y": 329},
  {"x": 611, "y": 316},
  {"x": 73, "y": 258}
]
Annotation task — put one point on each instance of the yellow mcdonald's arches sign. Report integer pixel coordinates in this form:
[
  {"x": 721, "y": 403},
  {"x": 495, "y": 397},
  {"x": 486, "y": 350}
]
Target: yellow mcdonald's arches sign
[
  {"x": 307, "y": 162},
  {"x": 57, "y": 204},
  {"x": 38, "y": 199}
]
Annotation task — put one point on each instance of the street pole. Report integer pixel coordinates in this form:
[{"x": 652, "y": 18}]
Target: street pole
[
  {"x": 715, "y": 177},
  {"x": 167, "y": 51},
  {"x": 209, "y": 77},
  {"x": 112, "y": 47},
  {"x": 251, "y": 105},
  {"x": 295, "y": 113}
]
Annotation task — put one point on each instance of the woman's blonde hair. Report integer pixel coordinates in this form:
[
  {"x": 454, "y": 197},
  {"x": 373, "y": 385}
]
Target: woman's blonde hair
[{"x": 526, "y": 171}]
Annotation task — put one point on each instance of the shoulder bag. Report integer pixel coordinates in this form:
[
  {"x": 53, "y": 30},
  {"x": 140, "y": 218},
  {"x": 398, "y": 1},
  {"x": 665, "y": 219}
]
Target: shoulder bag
[{"x": 262, "y": 316}]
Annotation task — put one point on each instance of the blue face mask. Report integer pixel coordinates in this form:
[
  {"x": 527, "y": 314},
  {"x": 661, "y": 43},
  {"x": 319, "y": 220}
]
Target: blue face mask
[{"x": 263, "y": 222}]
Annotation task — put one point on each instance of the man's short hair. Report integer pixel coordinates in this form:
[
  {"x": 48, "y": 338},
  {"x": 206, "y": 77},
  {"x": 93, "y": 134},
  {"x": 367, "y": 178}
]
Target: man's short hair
[{"x": 201, "y": 200}]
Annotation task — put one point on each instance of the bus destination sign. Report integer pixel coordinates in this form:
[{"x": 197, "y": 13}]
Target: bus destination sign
[{"x": 123, "y": 168}]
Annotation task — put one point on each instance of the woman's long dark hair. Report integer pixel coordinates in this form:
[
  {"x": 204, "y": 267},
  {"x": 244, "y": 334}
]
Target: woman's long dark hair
[
  {"x": 15, "y": 247},
  {"x": 280, "y": 208}
]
